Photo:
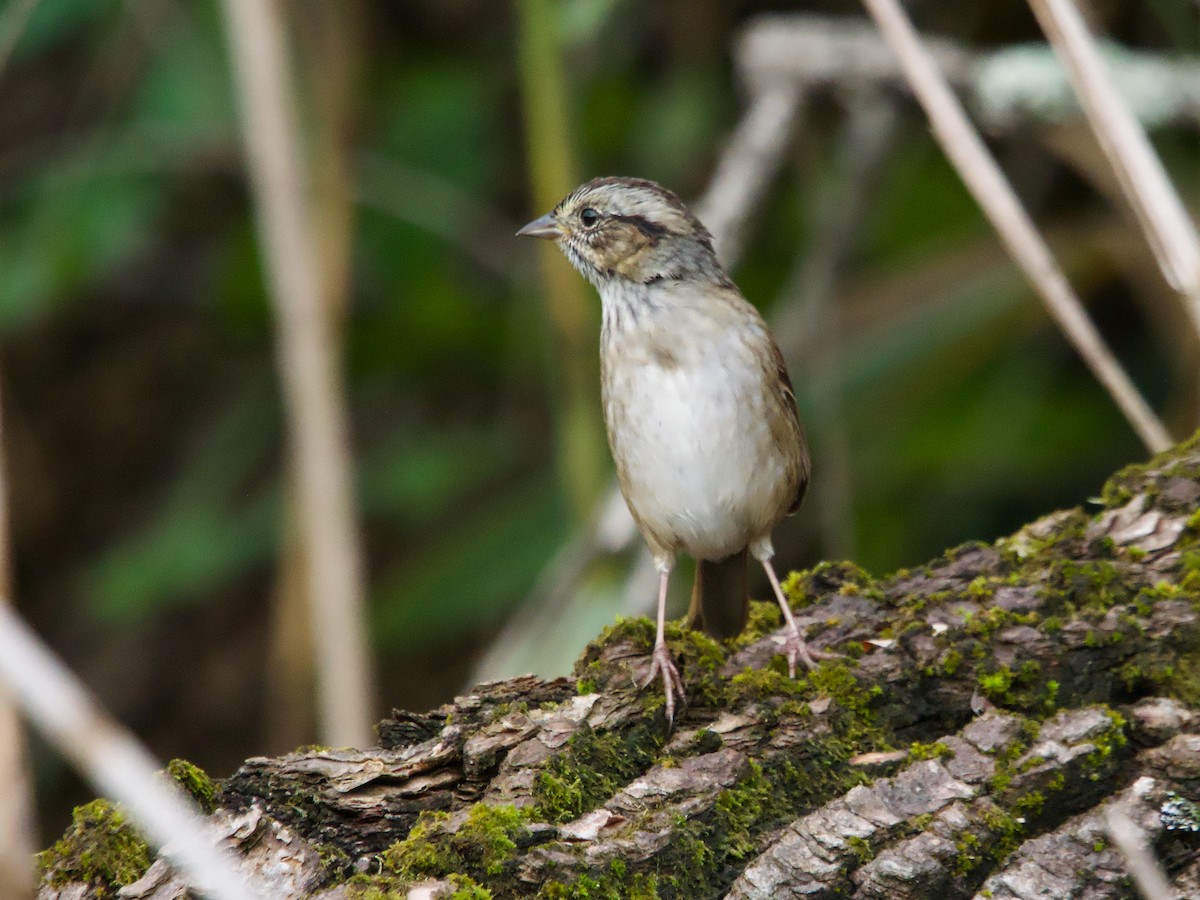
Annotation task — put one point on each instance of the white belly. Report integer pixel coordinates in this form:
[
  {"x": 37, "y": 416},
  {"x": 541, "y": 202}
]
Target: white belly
[{"x": 696, "y": 457}]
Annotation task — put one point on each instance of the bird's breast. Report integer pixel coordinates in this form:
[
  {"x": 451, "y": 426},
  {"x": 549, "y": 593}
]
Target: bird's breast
[{"x": 687, "y": 413}]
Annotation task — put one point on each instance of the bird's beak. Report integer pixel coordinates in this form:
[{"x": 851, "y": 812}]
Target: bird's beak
[{"x": 546, "y": 228}]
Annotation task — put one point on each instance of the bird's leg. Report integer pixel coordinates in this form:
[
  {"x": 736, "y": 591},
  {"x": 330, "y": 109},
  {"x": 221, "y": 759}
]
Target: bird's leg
[
  {"x": 797, "y": 649},
  {"x": 661, "y": 663}
]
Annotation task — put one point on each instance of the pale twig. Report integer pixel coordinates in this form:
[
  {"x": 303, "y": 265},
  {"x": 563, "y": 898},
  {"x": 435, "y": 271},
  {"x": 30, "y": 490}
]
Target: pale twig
[
  {"x": 17, "y": 834},
  {"x": 831, "y": 51},
  {"x": 1130, "y": 839},
  {"x": 113, "y": 761},
  {"x": 310, "y": 373},
  {"x": 978, "y": 169},
  {"x": 17, "y": 838},
  {"x": 1169, "y": 231},
  {"x": 435, "y": 204},
  {"x": 748, "y": 166},
  {"x": 1008, "y": 86}
]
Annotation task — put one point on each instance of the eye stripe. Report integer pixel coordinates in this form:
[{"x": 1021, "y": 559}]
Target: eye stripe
[{"x": 645, "y": 226}]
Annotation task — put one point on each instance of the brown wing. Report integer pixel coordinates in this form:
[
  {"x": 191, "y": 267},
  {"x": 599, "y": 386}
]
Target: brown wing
[{"x": 794, "y": 440}]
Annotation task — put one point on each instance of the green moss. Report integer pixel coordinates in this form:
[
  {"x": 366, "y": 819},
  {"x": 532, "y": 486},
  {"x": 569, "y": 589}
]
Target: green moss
[
  {"x": 861, "y": 848},
  {"x": 740, "y": 809},
  {"x": 100, "y": 849},
  {"x": 1098, "y": 763},
  {"x": 981, "y": 588},
  {"x": 937, "y": 750},
  {"x": 835, "y": 680},
  {"x": 697, "y": 656},
  {"x": 392, "y": 887},
  {"x": 951, "y": 661},
  {"x": 777, "y": 791},
  {"x": 196, "y": 782},
  {"x": 1120, "y": 488},
  {"x": 1025, "y": 545},
  {"x": 920, "y": 823},
  {"x": 1189, "y": 566},
  {"x": 765, "y": 618},
  {"x": 845, "y": 577},
  {"x": 769, "y": 685},
  {"x": 375, "y": 887},
  {"x": 1029, "y": 805},
  {"x": 586, "y": 686},
  {"x": 466, "y": 888},
  {"x": 591, "y": 769},
  {"x": 968, "y": 854},
  {"x": 996, "y": 685},
  {"x": 1089, "y": 584},
  {"x": 618, "y": 884},
  {"x": 1004, "y": 831},
  {"x": 484, "y": 845},
  {"x": 1023, "y": 689},
  {"x": 1181, "y": 680},
  {"x": 1049, "y": 700},
  {"x": 793, "y": 589},
  {"x": 999, "y": 783}
]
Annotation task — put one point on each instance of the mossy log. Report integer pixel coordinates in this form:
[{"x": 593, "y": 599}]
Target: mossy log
[{"x": 986, "y": 708}]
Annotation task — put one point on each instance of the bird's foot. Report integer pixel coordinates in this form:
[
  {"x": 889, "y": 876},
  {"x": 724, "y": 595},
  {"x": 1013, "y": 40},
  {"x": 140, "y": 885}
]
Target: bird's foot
[
  {"x": 662, "y": 665},
  {"x": 798, "y": 651}
]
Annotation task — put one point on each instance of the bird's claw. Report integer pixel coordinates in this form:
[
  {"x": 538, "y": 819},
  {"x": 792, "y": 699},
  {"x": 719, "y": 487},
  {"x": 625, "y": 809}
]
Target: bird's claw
[
  {"x": 662, "y": 665},
  {"x": 798, "y": 651}
]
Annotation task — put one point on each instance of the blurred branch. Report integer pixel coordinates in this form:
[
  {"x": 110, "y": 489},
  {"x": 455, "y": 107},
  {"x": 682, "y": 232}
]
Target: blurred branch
[
  {"x": 1151, "y": 881},
  {"x": 831, "y": 52},
  {"x": 17, "y": 830},
  {"x": 582, "y": 458},
  {"x": 1169, "y": 231},
  {"x": 437, "y": 205},
  {"x": 982, "y": 176},
  {"x": 17, "y": 835},
  {"x": 309, "y": 370},
  {"x": 13, "y": 20},
  {"x": 1027, "y": 82},
  {"x": 1006, "y": 87},
  {"x": 113, "y": 761},
  {"x": 748, "y": 165},
  {"x": 326, "y": 45}
]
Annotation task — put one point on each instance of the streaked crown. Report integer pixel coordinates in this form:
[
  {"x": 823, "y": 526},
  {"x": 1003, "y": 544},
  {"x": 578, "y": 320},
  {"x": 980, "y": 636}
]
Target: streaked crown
[{"x": 629, "y": 228}]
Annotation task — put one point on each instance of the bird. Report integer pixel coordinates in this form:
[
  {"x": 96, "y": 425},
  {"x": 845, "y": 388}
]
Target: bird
[{"x": 700, "y": 412}]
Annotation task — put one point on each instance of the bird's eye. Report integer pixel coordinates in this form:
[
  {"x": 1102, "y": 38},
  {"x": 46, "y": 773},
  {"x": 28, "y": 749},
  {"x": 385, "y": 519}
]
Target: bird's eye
[{"x": 589, "y": 217}]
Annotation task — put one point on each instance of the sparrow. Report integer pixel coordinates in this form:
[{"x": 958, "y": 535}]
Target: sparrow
[{"x": 700, "y": 413}]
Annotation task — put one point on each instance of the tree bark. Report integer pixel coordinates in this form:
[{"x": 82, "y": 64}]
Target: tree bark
[{"x": 988, "y": 706}]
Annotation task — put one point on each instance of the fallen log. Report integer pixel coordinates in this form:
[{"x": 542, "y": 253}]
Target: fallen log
[{"x": 986, "y": 709}]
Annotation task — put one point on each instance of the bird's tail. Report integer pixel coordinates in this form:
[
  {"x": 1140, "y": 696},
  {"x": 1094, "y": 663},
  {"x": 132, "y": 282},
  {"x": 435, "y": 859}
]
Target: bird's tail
[{"x": 720, "y": 596}]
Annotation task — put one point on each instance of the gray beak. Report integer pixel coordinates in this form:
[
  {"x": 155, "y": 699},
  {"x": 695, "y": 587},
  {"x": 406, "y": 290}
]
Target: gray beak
[{"x": 546, "y": 228}]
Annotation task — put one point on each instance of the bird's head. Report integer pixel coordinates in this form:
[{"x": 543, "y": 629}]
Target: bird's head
[{"x": 628, "y": 229}]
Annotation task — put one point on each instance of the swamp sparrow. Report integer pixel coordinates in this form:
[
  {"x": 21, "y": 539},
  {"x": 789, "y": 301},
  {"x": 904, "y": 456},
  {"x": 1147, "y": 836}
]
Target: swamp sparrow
[{"x": 701, "y": 418}]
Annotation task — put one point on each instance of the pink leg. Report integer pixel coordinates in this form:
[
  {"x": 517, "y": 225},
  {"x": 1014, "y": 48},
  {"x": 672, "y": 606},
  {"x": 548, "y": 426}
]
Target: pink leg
[
  {"x": 661, "y": 663},
  {"x": 797, "y": 649}
]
